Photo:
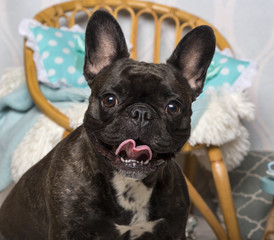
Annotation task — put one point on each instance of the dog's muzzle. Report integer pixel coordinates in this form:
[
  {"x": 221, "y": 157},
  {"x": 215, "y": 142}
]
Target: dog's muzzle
[{"x": 133, "y": 159}]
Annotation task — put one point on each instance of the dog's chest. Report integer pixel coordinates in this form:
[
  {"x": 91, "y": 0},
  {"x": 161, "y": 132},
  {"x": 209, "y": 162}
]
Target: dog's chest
[{"x": 134, "y": 196}]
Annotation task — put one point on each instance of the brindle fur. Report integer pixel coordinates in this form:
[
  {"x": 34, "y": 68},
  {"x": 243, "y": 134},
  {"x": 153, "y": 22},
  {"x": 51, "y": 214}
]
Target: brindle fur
[{"x": 74, "y": 191}]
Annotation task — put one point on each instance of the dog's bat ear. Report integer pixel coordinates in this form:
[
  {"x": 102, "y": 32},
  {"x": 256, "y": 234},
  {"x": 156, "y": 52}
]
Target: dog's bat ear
[
  {"x": 193, "y": 55},
  {"x": 104, "y": 43}
]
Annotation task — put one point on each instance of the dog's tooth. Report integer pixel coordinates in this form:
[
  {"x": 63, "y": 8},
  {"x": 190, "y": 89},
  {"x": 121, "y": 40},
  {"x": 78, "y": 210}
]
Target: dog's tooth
[
  {"x": 147, "y": 161},
  {"x": 134, "y": 164},
  {"x": 123, "y": 160},
  {"x": 142, "y": 162}
]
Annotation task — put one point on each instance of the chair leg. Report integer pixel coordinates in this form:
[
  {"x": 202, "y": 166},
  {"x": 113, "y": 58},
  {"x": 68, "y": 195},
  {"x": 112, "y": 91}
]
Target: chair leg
[
  {"x": 200, "y": 204},
  {"x": 222, "y": 184}
]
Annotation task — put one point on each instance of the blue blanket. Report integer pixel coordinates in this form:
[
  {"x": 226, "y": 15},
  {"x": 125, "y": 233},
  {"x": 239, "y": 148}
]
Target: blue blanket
[{"x": 18, "y": 114}]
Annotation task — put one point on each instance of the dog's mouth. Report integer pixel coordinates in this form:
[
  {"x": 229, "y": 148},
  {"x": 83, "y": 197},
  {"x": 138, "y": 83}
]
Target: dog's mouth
[
  {"x": 134, "y": 156},
  {"x": 130, "y": 153}
]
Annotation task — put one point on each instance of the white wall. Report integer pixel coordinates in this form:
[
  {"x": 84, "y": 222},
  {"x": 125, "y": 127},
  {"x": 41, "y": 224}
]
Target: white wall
[{"x": 248, "y": 25}]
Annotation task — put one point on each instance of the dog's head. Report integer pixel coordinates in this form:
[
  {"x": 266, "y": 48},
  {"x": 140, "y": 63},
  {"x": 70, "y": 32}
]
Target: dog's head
[{"x": 139, "y": 113}]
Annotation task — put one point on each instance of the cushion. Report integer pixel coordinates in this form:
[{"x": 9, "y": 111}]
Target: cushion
[
  {"x": 225, "y": 69},
  {"x": 59, "y": 58},
  {"x": 58, "y": 53}
]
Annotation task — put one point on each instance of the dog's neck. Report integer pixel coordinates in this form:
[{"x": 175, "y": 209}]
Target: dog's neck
[{"x": 133, "y": 195}]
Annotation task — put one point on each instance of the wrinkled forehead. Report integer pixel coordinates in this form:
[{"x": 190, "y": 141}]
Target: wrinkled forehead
[
  {"x": 143, "y": 78},
  {"x": 141, "y": 70}
]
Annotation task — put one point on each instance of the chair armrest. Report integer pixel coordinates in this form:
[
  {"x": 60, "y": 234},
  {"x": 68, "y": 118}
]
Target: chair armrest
[{"x": 43, "y": 104}]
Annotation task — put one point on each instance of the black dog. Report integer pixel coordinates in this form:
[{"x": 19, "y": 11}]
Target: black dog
[{"x": 114, "y": 177}]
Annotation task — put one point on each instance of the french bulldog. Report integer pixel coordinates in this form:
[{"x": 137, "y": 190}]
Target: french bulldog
[{"x": 115, "y": 176}]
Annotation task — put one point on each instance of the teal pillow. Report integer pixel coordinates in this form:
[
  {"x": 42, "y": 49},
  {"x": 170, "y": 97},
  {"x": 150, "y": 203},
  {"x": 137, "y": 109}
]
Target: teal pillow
[
  {"x": 59, "y": 57},
  {"x": 225, "y": 70},
  {"x": 58, "y": 53},
  {"x": 62, "y": 55}
]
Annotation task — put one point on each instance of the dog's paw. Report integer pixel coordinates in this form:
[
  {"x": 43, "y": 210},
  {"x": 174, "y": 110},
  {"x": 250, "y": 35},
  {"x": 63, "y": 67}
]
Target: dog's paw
[{"x": 137, "y": 230}]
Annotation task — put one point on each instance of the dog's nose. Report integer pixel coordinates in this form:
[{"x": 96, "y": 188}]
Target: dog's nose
[{"x": 141, "y": 115}]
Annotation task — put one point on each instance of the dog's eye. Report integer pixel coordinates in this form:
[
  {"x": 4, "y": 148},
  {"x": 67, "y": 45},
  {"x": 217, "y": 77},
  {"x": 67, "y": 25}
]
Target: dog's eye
[
  {"x": 109, "y": 100},
  {"x": 173, "y": 108}
]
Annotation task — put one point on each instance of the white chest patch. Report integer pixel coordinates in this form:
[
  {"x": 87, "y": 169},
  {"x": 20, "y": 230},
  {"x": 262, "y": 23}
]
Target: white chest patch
[{"x": 134, "y": 196}]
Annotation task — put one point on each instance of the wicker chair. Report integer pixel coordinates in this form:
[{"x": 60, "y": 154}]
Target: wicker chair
[{"x": 51, "y": 17}]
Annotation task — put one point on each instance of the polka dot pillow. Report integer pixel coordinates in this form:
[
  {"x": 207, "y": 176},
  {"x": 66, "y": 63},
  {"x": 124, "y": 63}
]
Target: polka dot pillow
[
  {"x": 58, "y": 53},
  {"x": 59, "y": 58},
  {"x": 224, "y": 69}
]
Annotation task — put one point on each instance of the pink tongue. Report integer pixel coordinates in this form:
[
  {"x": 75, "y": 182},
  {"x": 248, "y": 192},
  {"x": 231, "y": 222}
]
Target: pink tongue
[{"x": 133, "y": 152}]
